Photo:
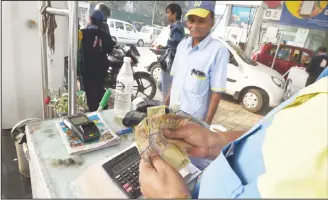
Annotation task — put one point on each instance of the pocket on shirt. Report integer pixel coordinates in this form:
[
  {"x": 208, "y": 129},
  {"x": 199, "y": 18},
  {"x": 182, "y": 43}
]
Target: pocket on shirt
[{"x": 197, "y": 84}]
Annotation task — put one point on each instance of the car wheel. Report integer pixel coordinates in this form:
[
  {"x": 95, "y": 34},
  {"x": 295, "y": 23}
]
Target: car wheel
[
  {"x": 156, "y": 72},
  {"x": 114, "y": 39},
  {"x": 140, "y": 43},
  {"x": 288, "y": 89},
  {"x": 253, "y": 100}
]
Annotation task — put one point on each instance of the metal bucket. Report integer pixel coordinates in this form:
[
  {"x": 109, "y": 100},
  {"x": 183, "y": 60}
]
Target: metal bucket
[{"x": 18, "y": 135}]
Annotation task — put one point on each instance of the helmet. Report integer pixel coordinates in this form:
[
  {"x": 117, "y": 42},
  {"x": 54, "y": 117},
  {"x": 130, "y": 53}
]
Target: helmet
[{"x": 103, "y": 8}]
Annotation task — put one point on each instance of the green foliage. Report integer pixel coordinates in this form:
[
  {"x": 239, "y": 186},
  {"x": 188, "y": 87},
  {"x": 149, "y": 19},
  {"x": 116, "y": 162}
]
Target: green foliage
[{"x": 61, "y": 104}]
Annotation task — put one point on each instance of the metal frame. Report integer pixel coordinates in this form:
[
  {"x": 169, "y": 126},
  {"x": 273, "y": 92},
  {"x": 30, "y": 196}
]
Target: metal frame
[
  {"x": 72, "y": 15},
  {"x": 278, "y": 46}
]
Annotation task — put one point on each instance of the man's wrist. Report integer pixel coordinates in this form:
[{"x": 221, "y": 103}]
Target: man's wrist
[
  {"x": 217, "y": 142},
  {"x": 209, "y": 119}
]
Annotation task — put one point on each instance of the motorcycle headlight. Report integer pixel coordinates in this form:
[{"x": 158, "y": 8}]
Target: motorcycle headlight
[{"x": 278, "y": 82}]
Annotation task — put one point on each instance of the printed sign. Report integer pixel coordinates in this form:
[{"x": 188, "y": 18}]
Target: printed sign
[
  {"x": 273, "y": 12},
  {"x": 307, "y": 14},
  {"x": 242, "y": 16}
]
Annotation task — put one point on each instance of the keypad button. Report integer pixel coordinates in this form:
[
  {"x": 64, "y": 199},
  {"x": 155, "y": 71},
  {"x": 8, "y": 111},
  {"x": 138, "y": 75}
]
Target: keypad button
[
  {"x": 118, "y": 176},
  {"x": 122, "y": 182},
  {"x": 126, "y": 185},
  {"x": 129, "y": 189}
]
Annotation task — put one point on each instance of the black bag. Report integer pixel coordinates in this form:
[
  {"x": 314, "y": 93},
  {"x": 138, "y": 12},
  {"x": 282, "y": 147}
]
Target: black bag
[{"x": 166, "y": 60}]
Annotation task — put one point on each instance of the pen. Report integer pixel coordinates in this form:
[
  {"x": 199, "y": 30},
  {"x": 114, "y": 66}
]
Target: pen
[{"x": 124, "y": 131}]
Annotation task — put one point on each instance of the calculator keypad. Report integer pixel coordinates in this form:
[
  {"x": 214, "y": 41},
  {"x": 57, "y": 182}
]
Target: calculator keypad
[
  {"x": 129, "y": 181},
  {"x": 126, "y": 175}
]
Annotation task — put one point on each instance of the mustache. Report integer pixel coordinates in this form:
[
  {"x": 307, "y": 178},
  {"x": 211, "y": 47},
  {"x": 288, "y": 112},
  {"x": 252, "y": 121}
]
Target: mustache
[{"x": 195, "y": 29}]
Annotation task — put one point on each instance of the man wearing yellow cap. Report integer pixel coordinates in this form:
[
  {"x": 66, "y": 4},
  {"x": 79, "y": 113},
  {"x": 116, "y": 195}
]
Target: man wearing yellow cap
[{"x": 199, "y": 68}]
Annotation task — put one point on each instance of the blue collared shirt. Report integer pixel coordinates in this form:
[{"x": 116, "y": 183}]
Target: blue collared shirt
[{"x": 196, "y": 72}]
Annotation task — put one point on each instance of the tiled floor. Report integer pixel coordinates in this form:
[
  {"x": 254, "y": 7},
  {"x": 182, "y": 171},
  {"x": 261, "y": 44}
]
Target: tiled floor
[{"x": 233, "y": 117}]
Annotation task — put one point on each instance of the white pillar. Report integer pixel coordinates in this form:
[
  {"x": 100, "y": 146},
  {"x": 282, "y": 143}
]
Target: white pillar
[
  {"x": 227, "y": 19},
  {"x": 255, "y": 28}
]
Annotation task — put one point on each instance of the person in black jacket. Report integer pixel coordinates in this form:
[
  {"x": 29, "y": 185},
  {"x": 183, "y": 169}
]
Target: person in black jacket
[
  {"x": 95, "y": 45},
  {"x": 317, "y": 65},
  {"x": 106, "y": 11}
]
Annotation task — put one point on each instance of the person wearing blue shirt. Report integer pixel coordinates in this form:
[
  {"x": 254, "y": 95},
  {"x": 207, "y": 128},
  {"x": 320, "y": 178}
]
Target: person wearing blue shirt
[
  {"x": 173, "y": 14},
  {"x": 285, "y": 155},
  {"x": 199, "y": 68}
]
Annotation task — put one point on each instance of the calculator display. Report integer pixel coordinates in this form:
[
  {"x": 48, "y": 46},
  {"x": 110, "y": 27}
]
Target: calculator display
[
  {"x": 79, "y": 120},
  {"x": 123, "y": 164}
]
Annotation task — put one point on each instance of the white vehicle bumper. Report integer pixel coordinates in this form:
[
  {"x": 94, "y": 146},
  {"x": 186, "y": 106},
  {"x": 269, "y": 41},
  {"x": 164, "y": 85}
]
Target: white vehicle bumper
[{"x": 275, "y": 96}]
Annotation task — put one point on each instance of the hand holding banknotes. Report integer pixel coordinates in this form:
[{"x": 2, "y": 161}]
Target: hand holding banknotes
[
  {"x": 196, "y": 140},
  {"x": 161, "y": 180}
]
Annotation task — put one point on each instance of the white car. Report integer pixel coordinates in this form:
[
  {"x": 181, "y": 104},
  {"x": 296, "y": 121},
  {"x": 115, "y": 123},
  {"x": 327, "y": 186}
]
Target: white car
[
  {"x": 150, "y": 33},
  {"x": 124, "y": 32},
  {"x": 253, "y": 84}
]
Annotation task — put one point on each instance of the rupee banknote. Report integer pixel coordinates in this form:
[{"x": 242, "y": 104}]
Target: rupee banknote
[
  {"x": 172, "y": 121},
  {"x": 168, "y": 151},
  {"x": 142, "y": 140}
]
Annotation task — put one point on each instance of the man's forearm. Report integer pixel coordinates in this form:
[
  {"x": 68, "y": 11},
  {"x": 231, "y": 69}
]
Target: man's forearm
[
  {"x": 212, "y": 107},
  {"x": 167, "y": 99},
  {"x": 221, "y": 139}
]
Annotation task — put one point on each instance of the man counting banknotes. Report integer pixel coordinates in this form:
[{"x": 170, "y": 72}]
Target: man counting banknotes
[{"x": 285, "y": 155}]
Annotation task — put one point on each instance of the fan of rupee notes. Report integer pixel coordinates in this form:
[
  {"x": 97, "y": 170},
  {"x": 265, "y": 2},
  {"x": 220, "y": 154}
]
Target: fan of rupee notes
[{"x": 150, "y": 138}]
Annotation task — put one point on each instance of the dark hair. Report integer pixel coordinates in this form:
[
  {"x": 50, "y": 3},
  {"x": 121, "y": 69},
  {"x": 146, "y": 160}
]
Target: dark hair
[
  {"x": 322, "y": 49},
  {"x": 175, "y": 8}
]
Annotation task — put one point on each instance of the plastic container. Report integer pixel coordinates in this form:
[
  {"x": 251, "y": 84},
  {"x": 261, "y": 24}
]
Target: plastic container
[{"x": 123, "y": 91}]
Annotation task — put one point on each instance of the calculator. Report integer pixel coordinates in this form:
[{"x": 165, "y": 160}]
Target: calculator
[{"x": 124, "y": 171}]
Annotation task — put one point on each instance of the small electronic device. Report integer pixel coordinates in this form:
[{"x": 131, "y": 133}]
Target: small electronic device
[
  {"x": 146, "y": 103},
  {"x": 82, "y": 127},
  {"x": 133, "y": 118},
  {"x": 124, "y": 171}
]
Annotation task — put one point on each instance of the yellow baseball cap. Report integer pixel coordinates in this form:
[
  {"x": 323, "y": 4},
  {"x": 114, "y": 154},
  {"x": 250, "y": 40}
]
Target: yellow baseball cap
[{"x": 200, "y": 8}]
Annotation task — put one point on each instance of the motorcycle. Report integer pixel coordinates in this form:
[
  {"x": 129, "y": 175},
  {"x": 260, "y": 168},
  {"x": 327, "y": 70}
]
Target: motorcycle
[
  {"x": 154, "y": 68},
  {"x": 115, "y": 63}
]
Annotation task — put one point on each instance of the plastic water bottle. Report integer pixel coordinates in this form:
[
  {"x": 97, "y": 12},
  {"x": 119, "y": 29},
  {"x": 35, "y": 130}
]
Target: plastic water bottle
[{"x": 123, "y": 91}]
